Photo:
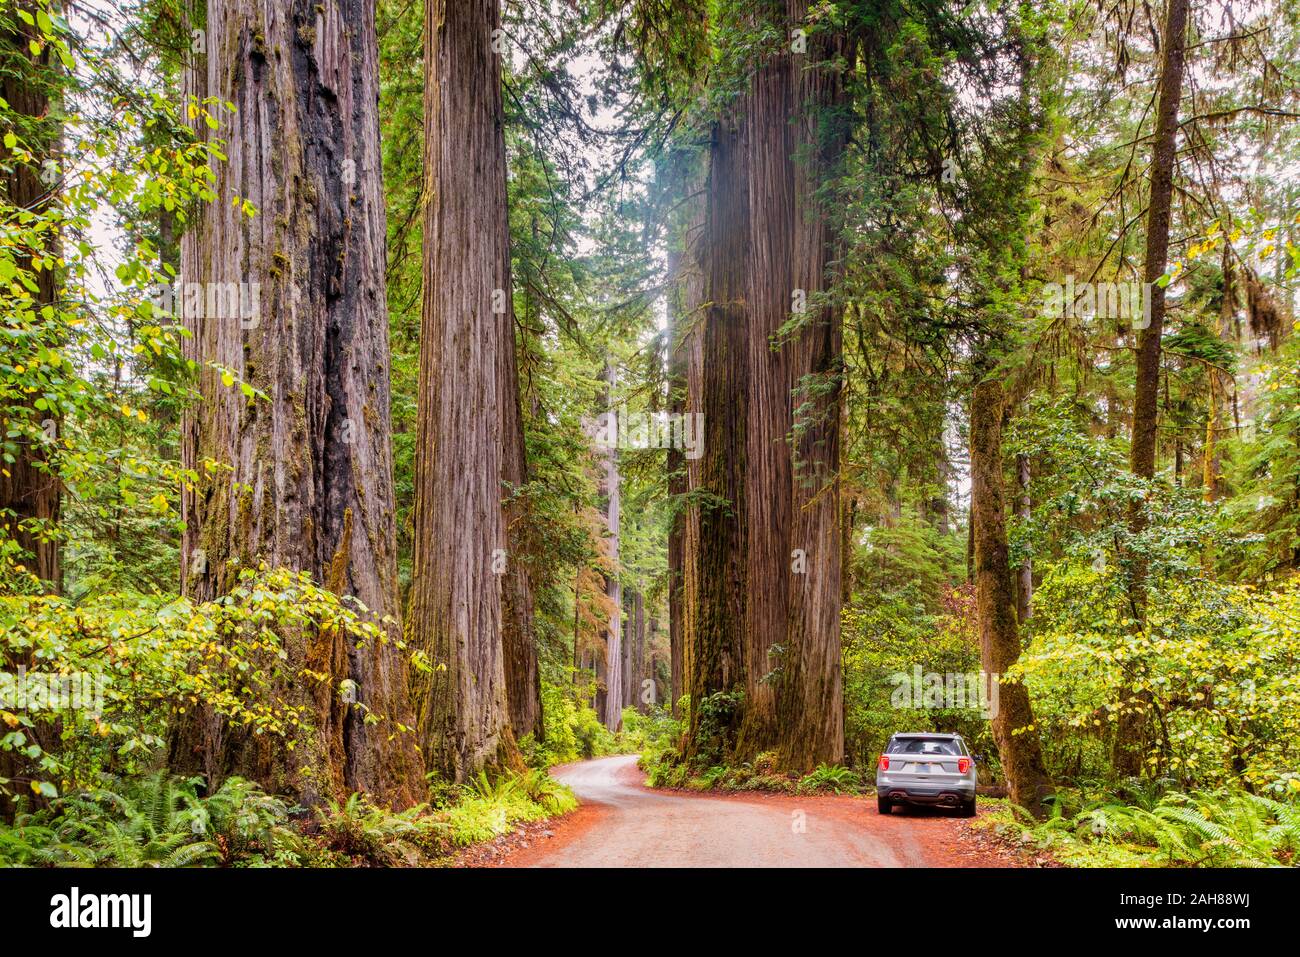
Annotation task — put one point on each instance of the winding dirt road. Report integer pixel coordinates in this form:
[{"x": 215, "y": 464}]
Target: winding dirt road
[{"x": 624, "y": 824}]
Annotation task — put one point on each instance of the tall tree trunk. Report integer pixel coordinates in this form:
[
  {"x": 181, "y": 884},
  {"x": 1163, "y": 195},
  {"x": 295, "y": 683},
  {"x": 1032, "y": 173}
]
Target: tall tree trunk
[
  {"x": 29, "y": 487},
  {"x": 678, "y": 344},
  {"x": 628, "y": 670},
  {"x": 518, "y": 634},
  {"x": 768, "y": 107},
  {"x": 1220, "y": 384},
  {"x": 811, "y": 724},
  {"x": 1159, "y": 213},
  {"x": 771, "y": 405},
  {"x": 1013, "y": 725},
  {"x": 466, "y": 328},
  {"x": 310, "y": 483},
  {"x": 636, "y": 655},
  {"x": 713, "y": 659},
  {"x": 1164, "y": 153}
]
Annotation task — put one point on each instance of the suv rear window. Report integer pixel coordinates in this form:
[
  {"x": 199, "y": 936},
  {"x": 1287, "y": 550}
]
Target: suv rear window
[{"x": 924, "y": 746}]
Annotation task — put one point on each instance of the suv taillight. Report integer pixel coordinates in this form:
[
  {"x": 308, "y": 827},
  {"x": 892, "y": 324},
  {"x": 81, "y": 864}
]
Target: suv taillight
[
  {"x": 884, "y": 763},
  {"x": 963, "y": 765}
]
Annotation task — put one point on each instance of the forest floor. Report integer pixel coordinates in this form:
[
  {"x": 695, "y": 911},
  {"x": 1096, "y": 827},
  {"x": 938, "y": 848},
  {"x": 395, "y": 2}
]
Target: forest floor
[{"x": 623, "y": 823}]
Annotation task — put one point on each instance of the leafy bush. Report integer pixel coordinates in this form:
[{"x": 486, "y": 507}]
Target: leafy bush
[
  {"x": 1216, "y": 670},
  {"x": 144, "y": 659},
  {"x": 654, "y": 729},
  {"x": 716, "y": 726},
  {"x": 573, "y": 730}
]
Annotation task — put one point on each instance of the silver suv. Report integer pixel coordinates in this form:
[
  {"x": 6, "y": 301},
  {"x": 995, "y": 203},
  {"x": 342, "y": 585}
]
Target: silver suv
[{"x": 922, "y": 768}]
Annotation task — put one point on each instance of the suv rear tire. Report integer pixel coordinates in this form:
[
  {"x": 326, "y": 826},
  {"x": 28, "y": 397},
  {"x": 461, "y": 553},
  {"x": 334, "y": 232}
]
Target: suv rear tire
[
  {"x": 884, "y": 805},
  {"x": 968, "y": 808}
]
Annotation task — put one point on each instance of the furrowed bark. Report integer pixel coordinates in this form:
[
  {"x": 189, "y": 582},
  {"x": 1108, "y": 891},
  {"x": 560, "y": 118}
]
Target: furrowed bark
[
  {"x": 768, "y": 108},
  {"x": 460, "y": 529},
  {"x": 305, "y": 477},
  {"x": 518, "y": 635},
  {"x": 713, "y": 655},
  {"x": 811, "y": 728},
  {"x": 771, "y": 154}
]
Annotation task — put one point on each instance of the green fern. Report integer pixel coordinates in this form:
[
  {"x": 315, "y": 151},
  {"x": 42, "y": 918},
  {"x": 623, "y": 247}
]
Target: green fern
[{"x": 1220, "y": 828}]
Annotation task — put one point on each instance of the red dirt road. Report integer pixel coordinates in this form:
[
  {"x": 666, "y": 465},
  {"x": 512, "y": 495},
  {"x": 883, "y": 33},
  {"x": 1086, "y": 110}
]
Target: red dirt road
[{"x": 621, "y": 823}]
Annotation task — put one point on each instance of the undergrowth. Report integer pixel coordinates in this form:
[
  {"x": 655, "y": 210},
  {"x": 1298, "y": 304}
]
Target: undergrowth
[
  {"x": 163, "y": 821},
  {"x": 1154, "y": 827}
]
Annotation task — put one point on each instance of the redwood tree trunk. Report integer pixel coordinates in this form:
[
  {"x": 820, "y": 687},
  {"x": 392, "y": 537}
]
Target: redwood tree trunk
[
  {"x": 634, "y": 651},
  {"x": 713, "y": 659},
  {"x": 811, "y": 728},
  {"x": 466, "y": 329},
  {"x": 769, "y": 658},
  {"x": 309, "y": 484},
  {"x": 995, "y": 600},
  {"x": 768, "y": 246},
  {"x": 518, "y": 635},
  {"x": 29, "y": 488}
]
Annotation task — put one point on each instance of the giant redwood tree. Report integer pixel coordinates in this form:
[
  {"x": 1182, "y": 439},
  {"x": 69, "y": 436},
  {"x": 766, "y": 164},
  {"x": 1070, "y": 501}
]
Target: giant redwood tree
[
  {"x": 291, "y": 301},
  {"x": 766, "y": 622},
  {"x": 467, "y": 391}
]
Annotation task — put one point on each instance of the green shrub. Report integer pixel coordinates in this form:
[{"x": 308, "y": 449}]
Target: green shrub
[
  {"x": 652, "y": 729},
  {"x": 573, "y": 730},
  {"x": 150, "y": 658},
  {"x": 1218, "y": 666},
  {"x": 887, "y": 635}
]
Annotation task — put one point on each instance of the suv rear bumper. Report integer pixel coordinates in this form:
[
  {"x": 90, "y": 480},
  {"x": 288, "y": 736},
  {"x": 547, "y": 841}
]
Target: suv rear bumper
[{"x": 945, "y": 794}]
